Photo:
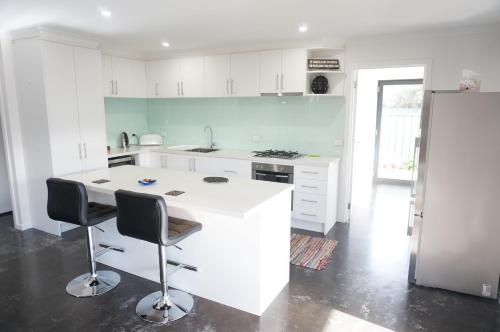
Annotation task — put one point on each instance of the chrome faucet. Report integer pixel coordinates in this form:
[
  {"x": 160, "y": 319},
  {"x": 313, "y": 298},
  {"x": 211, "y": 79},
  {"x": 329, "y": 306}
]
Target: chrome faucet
[{"x": 212, "y": 144}]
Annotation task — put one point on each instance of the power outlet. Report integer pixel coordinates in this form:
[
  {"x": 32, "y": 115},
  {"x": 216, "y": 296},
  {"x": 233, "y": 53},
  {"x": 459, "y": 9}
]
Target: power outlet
[{"x": 486, "y": 290}]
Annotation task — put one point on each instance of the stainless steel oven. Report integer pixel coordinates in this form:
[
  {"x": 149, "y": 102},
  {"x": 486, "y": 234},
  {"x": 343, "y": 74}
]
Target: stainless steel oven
[
  {"x": 272, "y": 172},
  {"x": 122, "y": 160}
]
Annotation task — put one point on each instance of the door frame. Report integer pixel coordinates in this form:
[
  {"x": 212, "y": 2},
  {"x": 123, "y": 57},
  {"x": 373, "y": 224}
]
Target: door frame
[
  {"x": 352, "y": 69},
  {"x": 378, "y": 126}
]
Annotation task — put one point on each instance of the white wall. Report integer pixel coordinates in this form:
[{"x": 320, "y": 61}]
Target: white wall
[
  {"x": 5, "y": 203},
  {"x": 446, "y": 53},
  {"x": 13, "y": 142}
]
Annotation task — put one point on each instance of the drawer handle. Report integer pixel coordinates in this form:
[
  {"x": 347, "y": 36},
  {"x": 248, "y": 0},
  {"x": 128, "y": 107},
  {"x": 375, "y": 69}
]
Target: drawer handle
[
  {"x": 308, "y": 201},
  {"x": 312, "y": 187},
  {"x": 308, "y": 214},
  {"x": 229, "y": 171},
  {"x": 309, "y": 172}
]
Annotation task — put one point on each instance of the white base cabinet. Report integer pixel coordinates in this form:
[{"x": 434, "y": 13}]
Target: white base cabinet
[{"x": 315, "y": 197}]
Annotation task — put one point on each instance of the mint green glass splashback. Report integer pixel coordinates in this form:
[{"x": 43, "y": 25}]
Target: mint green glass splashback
[
  {"x": 305, "y": 124},
  {"x": 125, "y": 114}
]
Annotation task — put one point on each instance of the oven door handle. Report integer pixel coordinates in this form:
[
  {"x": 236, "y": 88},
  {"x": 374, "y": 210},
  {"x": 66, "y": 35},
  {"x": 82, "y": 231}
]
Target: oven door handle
[{"x": 282, "y": 176}]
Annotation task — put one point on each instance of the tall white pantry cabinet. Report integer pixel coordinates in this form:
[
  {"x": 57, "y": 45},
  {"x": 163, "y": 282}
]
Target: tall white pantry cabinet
[{"x": 59, "y": 86}]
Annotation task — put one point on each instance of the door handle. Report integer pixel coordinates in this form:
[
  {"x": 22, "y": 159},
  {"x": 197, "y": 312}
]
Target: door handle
[
  {"x": 277, "y": 78},
  {"x": 232, "y": 91},
  {"x": 156, "y": 89},
  {"x": 112, "y": 87},
  {"x": 227, "y": 87},
  {"x": 308, "y": 201},
  {"x": 178, "y": 89},
  {"x": 409, "y": 226},
  {"x": 308, "y": 214},
  {"x": 85, "y": 149},
  {"x": 116, "y": 87},
  {"x": 80, "y": 150},
  {"x": 182, "y": 88},
  {"x": 312, "y": 187},
  {"x": 282, "y": 82},
  {"x": 229, "y": 171}
]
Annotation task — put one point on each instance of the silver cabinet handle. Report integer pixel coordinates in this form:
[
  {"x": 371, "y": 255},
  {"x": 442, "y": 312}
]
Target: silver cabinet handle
[
  {"x": 85, "y": 149},
  {"x": 80, "y": 150},
  {"x": 308, "y": 201},
  {"x": 112, "y": 87},
  {"x": 227, "y": 87},
  {"x": 232, "y": 91},
  {"x": 230, "y": 171},
  {"x": 409, "y": 227},
  {"x": 178, "y": 89},
  {"x": 277, "y": 78},
  {"x": 282, "y": 176},
  {"x": 182, "y": 88},
  {"x": 308, "y": 214},
  {"x": 312, "y": 187},
  {"x": 156, "y": 89},
  {"x": 309, "y": 172},
  {"x": 116, "y": 87},
  {"x": 282, "y": 82}
]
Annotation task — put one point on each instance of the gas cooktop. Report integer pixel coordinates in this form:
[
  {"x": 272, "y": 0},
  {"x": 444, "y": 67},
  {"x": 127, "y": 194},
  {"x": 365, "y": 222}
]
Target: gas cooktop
[{"x": 280, "y": 154}]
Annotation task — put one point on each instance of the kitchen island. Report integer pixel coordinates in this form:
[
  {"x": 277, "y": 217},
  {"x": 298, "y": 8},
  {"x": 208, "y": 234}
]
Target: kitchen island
[{"x": 242, "y": 254}]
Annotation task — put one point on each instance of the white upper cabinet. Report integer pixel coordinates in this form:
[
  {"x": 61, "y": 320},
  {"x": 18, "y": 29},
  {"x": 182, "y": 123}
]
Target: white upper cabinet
[
  {"x": 283, "y": 71},
  {"x": 217, "y": 74},
  {"x": 124, "y": 77},
  {"x": 232, "y": 75},
  {"x": 270, "y": 71},
  {"x": 293, "y": 70},
  {"x": 192, "y": 80},
  {"x": 245, "y": 75},
  {"x": 176, "y": 78}
]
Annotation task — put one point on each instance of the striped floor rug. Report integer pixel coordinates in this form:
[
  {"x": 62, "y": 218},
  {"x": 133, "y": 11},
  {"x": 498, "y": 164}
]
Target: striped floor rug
[{"x": 311, "y": 252}]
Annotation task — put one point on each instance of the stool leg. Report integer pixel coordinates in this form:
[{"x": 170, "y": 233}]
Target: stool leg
[
  {"x": 166, "y": 305},
  {"x": 95, "y": 282}
]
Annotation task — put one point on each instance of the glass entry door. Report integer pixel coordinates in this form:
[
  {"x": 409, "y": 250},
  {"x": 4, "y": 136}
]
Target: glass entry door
[{"x": 399, "y": 107}]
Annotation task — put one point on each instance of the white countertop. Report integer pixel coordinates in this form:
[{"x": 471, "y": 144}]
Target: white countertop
[
  {"x": 237, "y": 198},
  {"x": 226, "y": 153}
]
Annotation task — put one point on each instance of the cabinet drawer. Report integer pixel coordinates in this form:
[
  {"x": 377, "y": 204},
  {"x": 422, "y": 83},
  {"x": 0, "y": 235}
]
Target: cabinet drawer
[
  {"x": 309, "y": 201},
  {"x": 233, "y": 168},
  {"x": 313, "y": 173},
  {"x": 309, "y": 213},
  {"x": 310, "y": 186}
]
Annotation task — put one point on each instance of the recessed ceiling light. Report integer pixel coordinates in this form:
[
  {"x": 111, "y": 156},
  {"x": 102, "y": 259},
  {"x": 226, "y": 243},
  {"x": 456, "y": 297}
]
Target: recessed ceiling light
[
  {"x": 105, "y": 13},
  {"x": 303, "y": 28},
  {"x": 165, "y": 44}
]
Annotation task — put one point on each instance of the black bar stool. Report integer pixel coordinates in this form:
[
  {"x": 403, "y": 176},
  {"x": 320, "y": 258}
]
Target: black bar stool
[
  {"x": 144, "y": 217},
  {"x": 68, "y": 201}
]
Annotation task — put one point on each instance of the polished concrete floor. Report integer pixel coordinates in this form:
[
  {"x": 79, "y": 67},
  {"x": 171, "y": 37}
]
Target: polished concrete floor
[{"x": 364, "y": 288}]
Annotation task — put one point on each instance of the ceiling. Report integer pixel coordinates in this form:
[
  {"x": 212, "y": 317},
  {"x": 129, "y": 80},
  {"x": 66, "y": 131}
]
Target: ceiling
[{"x": 195, "y": 25}]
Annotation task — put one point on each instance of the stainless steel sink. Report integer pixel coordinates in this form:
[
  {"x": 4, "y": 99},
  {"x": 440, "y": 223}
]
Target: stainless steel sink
[{"x": 203, "y": 150}]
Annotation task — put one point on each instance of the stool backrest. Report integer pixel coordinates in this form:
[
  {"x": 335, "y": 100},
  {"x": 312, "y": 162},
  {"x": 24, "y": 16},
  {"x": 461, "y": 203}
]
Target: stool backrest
[
  {"x": 142, "y": 216},
  {"x": 67, "y": 201}
]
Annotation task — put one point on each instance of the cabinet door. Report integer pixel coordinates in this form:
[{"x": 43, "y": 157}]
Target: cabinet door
[
  {"x": 91, "y": 116},
  {"x": 293, "y": 70},
  {"x": 178, "y": 162},
  {"x": 203, "y": 165},
  {"x": 192, "y": 82},
  {"x": 217, "y": 75},
  {"x": 245, "y": 75},
  {"x": 61, "y": 102},
  {"x": 153, "y": 76},
  {"x": 170, "y": 78},
  {"x": 270, "y": 71},
  {"x": 138, "y": 79},
  {"x": 107, "y": 76},
  {"x": 122, "y": 75}
]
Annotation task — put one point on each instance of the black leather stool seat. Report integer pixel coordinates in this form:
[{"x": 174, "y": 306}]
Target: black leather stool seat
[
  {"x": 68, "y": 201},
  {"x": 98, "y": 213},
  {"x": 179, "y": 229}
]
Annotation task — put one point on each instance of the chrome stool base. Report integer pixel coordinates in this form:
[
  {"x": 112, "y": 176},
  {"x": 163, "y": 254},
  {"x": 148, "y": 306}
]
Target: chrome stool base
[
  {"x": 85, "y": 286},
  {"x": 181, "y": 305}
]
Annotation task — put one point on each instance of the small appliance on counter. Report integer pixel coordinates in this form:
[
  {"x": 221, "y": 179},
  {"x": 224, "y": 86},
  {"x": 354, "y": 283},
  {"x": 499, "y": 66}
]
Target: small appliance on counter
[
  {"x": 124, "y": 140},
  {"x": 150, "y": 139}
]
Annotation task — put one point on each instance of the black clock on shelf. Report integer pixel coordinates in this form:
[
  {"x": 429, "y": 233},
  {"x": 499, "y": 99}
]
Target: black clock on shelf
[{"x": 319, "y": 85}]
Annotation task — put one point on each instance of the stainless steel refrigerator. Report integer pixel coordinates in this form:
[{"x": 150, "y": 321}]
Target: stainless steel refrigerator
[{"x": 454, "y": 219}]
